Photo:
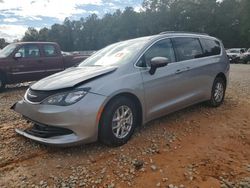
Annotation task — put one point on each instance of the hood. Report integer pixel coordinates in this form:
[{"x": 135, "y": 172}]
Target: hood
[{"x": 71, "y": 77}]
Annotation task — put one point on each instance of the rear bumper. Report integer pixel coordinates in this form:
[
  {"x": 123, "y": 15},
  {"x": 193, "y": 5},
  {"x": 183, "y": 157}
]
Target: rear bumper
[{"x": 80, "y": 118}]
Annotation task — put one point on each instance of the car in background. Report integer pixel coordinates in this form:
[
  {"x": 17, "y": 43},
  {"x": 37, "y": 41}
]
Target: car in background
[
  {"x": 124, "y": 85},
  {"x": 30, "y": 61},
  {"x": 245, "y": 57},
  {"x": 234, "y": 54}
]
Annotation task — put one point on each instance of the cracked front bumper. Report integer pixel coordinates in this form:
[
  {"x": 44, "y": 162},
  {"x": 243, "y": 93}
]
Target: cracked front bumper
[{"x": 80, "y": 118}]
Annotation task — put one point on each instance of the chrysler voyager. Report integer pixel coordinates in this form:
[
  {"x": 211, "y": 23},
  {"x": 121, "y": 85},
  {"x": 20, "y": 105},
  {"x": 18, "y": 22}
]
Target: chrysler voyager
[{"x": 124, "y": 85}]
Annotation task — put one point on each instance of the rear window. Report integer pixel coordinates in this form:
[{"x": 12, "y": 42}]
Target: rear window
[
  {"x": 187, "y": 48},
  {"x": 210, "y": 47},
  {"x": 49, "y": 50}
]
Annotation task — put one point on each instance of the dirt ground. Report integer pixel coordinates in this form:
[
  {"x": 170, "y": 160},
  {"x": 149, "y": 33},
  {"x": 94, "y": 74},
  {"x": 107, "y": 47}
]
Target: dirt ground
[{"x": 196, "y": 147}]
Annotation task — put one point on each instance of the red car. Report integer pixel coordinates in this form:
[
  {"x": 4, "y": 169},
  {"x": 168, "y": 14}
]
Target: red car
[{"x": 29, "y": 61}]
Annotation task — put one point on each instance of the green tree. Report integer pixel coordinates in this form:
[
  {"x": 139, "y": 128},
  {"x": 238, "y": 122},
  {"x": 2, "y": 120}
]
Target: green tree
[
  {"x": 3, "y": 43},
  {"x": 31, "y": 35},
  {"x": 43, "y": 34},
  {"x": 245, "y": 23},
  {"x": 228, "y": 20}
]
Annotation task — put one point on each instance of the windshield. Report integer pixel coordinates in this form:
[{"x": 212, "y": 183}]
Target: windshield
[
  {"x": 115, "y": 54},
  {"x": 5, "y": 52}
]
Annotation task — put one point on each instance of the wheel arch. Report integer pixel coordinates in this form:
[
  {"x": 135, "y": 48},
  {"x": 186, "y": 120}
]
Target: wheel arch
[
  {"x": 129, "y": 95},
  {"x": 223, "y": 76}
]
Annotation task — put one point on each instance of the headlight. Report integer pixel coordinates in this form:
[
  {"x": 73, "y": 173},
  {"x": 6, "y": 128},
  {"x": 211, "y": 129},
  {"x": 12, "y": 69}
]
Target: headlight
[{"x": 65, "y": 99}]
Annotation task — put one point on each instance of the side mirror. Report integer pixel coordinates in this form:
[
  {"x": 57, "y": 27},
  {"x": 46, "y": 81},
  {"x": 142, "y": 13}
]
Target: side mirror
[
  {"x": 157, "y": 62},
  {"x": 18, "y": 55}
]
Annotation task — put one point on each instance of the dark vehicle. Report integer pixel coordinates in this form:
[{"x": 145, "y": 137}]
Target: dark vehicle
[{"x": 29, "y": 61}]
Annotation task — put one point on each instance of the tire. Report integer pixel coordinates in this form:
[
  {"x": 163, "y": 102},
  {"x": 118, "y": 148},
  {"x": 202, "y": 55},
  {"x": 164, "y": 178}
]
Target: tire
[
  {"x": 218, "y": 92},
  {"x": 112, "y": 120},
  {"x": 2, "y": 83}
]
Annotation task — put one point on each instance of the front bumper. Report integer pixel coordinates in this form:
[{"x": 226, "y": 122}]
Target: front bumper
[{"x": 80, "y": 118}]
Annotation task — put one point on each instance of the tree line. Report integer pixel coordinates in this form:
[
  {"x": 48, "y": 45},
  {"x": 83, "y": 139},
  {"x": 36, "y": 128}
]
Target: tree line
[
  {"x": 229, "y": 20},
  {"x": 3, "y": 43}
]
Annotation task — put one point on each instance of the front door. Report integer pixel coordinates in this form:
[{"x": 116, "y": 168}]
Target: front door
[
  {"x": 169, "y": 88},
  {"x": 29, "y": 66}
]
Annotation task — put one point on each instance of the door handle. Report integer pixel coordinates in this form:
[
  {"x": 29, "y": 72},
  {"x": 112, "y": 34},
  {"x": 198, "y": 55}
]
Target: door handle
[
  {"x": 39, "y": 61},
  {"x": 178, "y": 71}
]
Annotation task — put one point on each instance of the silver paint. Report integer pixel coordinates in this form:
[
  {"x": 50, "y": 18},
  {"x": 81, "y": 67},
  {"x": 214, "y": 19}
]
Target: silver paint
[{"x": 164, "y": 92}]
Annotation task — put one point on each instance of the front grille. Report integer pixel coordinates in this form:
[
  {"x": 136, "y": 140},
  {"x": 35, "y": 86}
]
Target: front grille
[{"x": 45, "y": 131}]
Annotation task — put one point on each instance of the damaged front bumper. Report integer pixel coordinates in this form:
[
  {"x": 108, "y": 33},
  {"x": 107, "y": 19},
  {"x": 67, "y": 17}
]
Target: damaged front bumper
[{"x": 62, "y": 125}]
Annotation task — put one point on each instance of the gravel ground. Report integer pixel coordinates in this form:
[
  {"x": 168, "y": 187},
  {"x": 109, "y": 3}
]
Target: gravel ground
[{"x": 195, "y": 147}]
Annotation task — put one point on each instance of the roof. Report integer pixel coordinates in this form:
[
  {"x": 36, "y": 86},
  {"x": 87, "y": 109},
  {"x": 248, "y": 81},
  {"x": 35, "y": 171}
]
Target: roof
[{"x": 182, "y": 32}]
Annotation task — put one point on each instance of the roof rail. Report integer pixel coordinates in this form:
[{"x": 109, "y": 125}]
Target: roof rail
[{"x": 170, "y": 32}]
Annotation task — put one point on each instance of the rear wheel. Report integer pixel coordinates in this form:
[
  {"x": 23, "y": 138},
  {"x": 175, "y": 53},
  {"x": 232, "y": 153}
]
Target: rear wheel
[
  {"x": 218, "y": 92},
  {"x": 2, "y": 83},
  {"x": 118, "y": 121}
]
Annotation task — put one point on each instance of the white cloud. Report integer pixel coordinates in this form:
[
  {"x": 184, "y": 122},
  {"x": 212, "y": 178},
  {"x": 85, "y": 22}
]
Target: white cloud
[
  {"x": 51, "y": 8},
  {"x": 11, "y": 32},
  {"x": 10, "y": 20},
  {"x": 138, "y": 8},
  {"x": 31, "y": 13}
]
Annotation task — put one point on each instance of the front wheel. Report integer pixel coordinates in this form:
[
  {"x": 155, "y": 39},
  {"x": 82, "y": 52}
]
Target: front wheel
[
  {"x": 218, "y": 92},
  {"x": 118, "y": 121}
]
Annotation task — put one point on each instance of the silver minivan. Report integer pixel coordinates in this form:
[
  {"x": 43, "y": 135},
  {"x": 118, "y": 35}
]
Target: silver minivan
[{"x": 124, "y": 85}]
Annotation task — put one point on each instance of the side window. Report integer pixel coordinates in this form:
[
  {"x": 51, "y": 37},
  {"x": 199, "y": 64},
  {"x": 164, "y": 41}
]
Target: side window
[
  {"x": 210, "y": 47},
  {"x": 162, "y": 48},
  {"x": 49, "y": 50},
  {"x": 29, "y": 51},
  {"x": 187, "y": 48}
]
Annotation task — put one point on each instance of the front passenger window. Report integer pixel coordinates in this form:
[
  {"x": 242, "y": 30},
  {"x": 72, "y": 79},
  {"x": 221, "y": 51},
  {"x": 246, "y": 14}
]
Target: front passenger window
[
  {"x": 162, "y": 48},
  {"x": 29, "y": 51}
]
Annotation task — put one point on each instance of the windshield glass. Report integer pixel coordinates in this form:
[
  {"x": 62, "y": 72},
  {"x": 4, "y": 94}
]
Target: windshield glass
[
  {"x": 116, "y": 54},
  {"x": 5, "y": 52}
]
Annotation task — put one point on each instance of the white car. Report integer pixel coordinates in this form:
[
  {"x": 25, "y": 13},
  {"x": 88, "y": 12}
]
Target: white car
[{"x": 234, "y": 52}]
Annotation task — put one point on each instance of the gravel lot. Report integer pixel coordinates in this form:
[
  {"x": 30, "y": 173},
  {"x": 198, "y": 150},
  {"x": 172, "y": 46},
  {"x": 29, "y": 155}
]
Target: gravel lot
[{"x": 196, "y": 147}]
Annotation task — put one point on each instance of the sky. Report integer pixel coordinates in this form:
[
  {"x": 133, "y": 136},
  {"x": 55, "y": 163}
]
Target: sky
[{"x": 17, "y": 15}]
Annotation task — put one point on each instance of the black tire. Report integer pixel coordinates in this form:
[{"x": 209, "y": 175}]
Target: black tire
[
  {"x": 106, "y": 125},
  {"x": 2, "y": 83},
  {"x": 214, "y": 101}
]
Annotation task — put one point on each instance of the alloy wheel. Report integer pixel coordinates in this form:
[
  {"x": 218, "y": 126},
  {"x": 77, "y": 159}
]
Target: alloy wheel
[
  {"x": 218, "y": 92},
  {"x": 122, "y": 122}
]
